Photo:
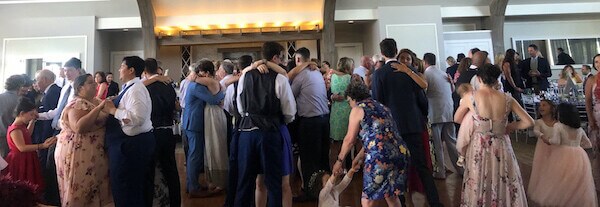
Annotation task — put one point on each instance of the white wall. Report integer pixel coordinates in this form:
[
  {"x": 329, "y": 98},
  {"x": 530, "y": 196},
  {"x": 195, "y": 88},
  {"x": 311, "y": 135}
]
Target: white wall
[
  {"x": 414, "y": 16},
  {"x": 311, "y": 45},
  {"x": 26, "y": 27}
]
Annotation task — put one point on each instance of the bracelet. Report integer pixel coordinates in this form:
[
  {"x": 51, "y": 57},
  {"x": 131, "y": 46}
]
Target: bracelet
[{"x": 340, "y": 160}]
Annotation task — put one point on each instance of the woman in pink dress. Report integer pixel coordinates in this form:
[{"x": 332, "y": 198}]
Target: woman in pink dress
[
  {"x": 592, "y": 106},
  {"x": 102, "y": 87},
  {"x": 567, "y": 177},
  {"x": 23, "y": 163},
  {"x": 492, "y": 176},
  {"x": 81, "y": 162}
]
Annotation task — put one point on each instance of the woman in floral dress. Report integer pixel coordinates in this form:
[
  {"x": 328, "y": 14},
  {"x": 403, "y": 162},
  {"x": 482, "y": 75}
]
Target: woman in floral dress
[
  {"x": 492, "y": 176},
  {"x": 384, "y": 151},
  {"x": 81, "y": 162}
]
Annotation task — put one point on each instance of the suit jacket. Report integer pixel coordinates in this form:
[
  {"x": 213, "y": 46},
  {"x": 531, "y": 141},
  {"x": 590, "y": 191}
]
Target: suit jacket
[
  {"x": 452, "y": 70},
  {"x": 43, "y": 128},
  {"x": 113, "y": 89},
  {"x": 543, "y": 67},
  {"x": 564, "y": 59},
  {"x": 405, "y": 99},
  {"x": 163, "y": 98},
  {"x": 197, "y": 96}
]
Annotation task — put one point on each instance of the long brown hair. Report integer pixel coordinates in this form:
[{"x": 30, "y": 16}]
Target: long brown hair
[{"x": 464, "y": 65}]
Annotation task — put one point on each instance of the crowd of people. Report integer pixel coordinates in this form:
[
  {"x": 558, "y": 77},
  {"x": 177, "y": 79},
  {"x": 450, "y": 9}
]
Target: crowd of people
[{"x": 270, "y": 133}]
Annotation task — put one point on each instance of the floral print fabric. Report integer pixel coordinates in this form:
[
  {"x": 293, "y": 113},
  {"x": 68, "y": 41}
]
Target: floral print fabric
[{"x": 386, "y": 154}]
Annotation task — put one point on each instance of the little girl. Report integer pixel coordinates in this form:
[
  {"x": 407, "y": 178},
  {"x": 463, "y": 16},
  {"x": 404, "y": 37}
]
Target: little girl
[
  {"x": 323, "y": 184},
  {"x": 567, "y": 178},
  {"x": 543, "y": 130},
  {"x": 23, "y": 163},
  {"x": 462, "y": 117}
]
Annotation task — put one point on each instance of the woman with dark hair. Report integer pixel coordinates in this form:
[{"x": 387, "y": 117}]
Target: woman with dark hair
[
  {"x": 512, "y": 76},
  {"x": 23, "y": 163},
  {"x": 462, "y": 67},
  {"x": 592, "y": 107},
  {"x": 567, "y": 177},
  {"x": 407, "y": 58},
  {"x": 569, "y": 74},
  {"x": 492, "y": 176},
  {"x": 102, "y": 88},
  {"x": 81, "y": 161},
  {"x": 384, "y": 151}
]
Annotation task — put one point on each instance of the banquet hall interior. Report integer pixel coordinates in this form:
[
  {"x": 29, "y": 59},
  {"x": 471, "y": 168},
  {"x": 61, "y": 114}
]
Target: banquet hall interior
[{"x": 180, "y": 36}]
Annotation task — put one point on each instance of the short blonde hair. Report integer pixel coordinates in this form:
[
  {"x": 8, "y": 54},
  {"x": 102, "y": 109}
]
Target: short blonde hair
[
  {"x": 345, "y": 65},
  {"x": 463, "y": 89}
]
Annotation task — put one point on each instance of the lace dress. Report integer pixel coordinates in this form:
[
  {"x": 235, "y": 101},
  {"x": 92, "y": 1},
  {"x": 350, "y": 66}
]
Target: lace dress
[{"x": 492, "y": 176}]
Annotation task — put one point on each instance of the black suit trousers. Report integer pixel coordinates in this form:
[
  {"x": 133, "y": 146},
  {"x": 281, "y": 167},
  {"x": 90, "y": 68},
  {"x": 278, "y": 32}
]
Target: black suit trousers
[
  {"x": 417, "y": 155},
  {"x": 165, "y": 159}
]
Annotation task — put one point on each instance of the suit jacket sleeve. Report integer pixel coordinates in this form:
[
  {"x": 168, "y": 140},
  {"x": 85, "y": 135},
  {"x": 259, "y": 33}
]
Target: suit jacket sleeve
[
  {"x": 545, "y": 71},
  {"x": 377, "y": 87}
]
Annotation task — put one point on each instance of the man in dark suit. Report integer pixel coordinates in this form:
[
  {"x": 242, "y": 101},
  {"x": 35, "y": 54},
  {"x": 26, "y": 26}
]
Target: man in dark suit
[
  {"x": 401, "y": 95},
  {"x": 564, "y": 58},
  {"x": 43, "y": 128},
  {"x": 535, "y": 70},
  {"x": 452, "y": 69},
  {"x": 163, "y": 98}
]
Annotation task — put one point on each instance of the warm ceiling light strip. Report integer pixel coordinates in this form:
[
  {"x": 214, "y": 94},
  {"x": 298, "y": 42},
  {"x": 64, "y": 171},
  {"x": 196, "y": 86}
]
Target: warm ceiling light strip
[{"x": 242, "y": 27}]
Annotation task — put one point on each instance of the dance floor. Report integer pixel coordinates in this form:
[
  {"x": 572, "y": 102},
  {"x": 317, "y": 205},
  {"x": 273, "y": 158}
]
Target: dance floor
[{"x": 449, "y": 189}]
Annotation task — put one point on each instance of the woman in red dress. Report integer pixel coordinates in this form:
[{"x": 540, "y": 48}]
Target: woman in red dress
[
  {"x": 23, "y": 163},
  {"x": 102, "y": 88}
]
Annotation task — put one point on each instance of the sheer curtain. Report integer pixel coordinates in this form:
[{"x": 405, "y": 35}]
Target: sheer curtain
[
  {"x": 555, "y": 44},
  {"x": 583, "y": 50}
]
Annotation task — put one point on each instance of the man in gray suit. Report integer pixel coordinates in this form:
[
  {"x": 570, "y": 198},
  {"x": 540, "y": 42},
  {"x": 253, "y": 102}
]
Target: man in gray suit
[
  {"x": 14, "y": 86},
  {"x": 439, "y": 94}
]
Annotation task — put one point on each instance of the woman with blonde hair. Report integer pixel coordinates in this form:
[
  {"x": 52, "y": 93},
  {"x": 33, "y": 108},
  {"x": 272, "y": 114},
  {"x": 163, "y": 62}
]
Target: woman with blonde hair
[
  {"x": 569, "y": 73},
  {"x": 340, "y": 110}
]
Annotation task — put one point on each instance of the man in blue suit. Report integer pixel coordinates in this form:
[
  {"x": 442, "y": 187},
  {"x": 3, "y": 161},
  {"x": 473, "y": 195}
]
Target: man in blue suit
[
  {"x": 43, "y": 128},
  {"x": 405, "y": 99},
  {"x": 197, "y": 96}
]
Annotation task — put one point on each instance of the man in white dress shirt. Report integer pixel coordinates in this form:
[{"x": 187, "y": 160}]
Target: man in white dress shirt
[
  {"x": 129, "y": 138},
  {"x": 365, "y": 65},
  {"x": 265, "y": 102},
  {"x": 72, "y": 69}
]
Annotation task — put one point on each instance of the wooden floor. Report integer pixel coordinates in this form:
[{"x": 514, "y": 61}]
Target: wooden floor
[{"x": 449, "y": 189}]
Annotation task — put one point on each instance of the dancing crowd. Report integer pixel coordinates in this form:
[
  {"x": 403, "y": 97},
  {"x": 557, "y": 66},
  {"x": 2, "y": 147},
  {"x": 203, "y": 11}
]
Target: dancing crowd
[{"x": 269, "y": 133}]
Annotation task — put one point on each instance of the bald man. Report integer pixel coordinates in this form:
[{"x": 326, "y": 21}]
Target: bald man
[{"x": 365, "y": 65}]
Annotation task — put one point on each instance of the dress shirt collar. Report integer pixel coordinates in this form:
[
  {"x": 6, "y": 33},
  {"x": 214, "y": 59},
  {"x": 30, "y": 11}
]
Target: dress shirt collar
[
  {"x": 132, "y": 81},
  {"x": 48, "y": 88},
  {"x": 390, "y": 60}
]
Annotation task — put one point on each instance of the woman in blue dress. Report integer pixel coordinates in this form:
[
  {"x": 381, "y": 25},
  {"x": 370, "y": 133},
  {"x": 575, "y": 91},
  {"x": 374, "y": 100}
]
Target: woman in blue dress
[{"x": 385, "y": 153}]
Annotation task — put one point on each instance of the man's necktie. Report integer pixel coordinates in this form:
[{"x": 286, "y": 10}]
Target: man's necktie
[{"x": 60, "y": 108}]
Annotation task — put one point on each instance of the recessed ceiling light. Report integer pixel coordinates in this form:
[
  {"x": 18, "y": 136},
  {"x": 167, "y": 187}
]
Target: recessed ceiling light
[
  {"x": 125, "y": 30},
  {"x": 350, "y": 22}
]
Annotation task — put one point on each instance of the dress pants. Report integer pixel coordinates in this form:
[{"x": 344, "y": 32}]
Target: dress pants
[
  {"x": 313, "y": 140},
  {"x": 417, "y": 156},
  {"x": 259, "y": 151},
  {"x": 445, "y": 132},
  {"x": 51, "y": 193},
  {"x": 233, "y": 169},
  {"x": 165, "y": 158},
  {"x": 130, "y": 163},
  {"x": 195, "y": 159}
]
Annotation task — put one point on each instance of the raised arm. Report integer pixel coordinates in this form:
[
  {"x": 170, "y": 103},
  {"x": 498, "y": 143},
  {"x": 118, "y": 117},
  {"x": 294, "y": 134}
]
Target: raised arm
[
  {"x": 163, "y": 79},
  {"x": 526, "y": 120},
  {"x": 299, "y": 68},
  {"x": 414, "y": 76},
  {"x": 82, "y": 121}
]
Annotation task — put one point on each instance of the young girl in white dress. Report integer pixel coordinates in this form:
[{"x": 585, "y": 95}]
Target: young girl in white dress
[
  {"x": 543, "y": 130},
  {"x": 567, "y": 178}
]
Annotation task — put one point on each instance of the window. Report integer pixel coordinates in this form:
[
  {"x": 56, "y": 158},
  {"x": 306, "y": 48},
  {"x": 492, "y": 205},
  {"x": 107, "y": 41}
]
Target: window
[{"x": 582, "y": 50}]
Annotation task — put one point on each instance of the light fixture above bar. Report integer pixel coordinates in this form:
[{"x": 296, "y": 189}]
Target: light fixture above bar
[{"x": 238, "y": 28}]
